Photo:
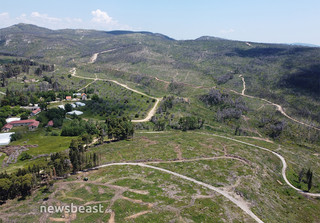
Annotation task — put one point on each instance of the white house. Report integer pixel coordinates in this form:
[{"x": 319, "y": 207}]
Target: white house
[
  {"x": 80, "y": 104},
  {"x": 75, "y": 112}
]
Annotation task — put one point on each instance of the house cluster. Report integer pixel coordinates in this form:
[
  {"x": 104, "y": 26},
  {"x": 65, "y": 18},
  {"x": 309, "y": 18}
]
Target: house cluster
[
  {"x": 31, "y": 123},
  {"x": 74, "y": 105}
]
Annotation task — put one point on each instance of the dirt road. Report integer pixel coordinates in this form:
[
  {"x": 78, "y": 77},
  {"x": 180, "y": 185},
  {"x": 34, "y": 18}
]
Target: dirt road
[
  {"x": 151, "y": 113},
  {"x": 95, "y": 55},
  {"x": 278, "y": 107},
  {"x": 283, "y": 161},
  {"x": 244, "y": 84},
  {"x": 240, "y": 203}
]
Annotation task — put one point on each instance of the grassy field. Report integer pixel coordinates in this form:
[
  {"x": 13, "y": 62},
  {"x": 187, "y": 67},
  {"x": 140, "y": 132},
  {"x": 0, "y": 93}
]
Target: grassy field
[
  {"x": 46, "y": 144},
  {"x": 156, "y": 196},
  {"x": 197, "y": 144}
]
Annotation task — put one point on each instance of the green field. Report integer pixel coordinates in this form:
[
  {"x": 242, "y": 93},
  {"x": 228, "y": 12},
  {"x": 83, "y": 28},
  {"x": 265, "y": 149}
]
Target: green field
[{"x": 46, "y": 144}]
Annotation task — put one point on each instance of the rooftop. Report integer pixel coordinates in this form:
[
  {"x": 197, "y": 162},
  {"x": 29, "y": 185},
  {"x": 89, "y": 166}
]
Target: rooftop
[
  {"x": 36, "y": 111},
  {"x": 75, "y": 112},
  {"x": 12, "y": 119},
  {"x": 23, "y": 121},
  {"x": 5, "y": 138}
]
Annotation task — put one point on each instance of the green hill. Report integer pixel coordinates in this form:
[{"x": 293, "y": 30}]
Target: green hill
[{"x": 198, "y": 107}]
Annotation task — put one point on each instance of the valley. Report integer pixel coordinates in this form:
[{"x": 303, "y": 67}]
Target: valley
[{"x": 181, "y": 131}]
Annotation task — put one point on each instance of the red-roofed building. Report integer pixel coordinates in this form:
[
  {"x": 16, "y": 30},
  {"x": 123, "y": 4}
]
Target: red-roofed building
[
  {"x": 68, "y": 98},
  {"x": 32, "y": 124},
  {"x": 50, "y": 123},
  {"x": 35, "y": 112},
  {"x": 7, "y": 127}
]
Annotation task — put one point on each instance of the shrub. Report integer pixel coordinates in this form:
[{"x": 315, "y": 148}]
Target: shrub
[
  {"x": 24, "y": 116},
  {"x": 25, "y": 156},
  {"x": 16, "y": 136},
  {"x": 54, "y": 134}
]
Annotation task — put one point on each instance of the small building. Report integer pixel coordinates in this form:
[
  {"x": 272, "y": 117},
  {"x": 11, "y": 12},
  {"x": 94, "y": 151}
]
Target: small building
[
  {"x": 75, "y": 112},
  {"x": 80, "y": 104},
  {"x": 77, "y": 94},
  {"x": 33, "y": 126},
  {"x": 31, "y": 123},
  {"x": 84, "y": 96},
  {"x": 35, "y": 112},
  {"x": 61, "y": 106},
  {"x": 73, "y": 105},
  {"x": 7, "y": 127},
  {"x": 68, "y": 98},
  {"x": 50, "y": 123}
]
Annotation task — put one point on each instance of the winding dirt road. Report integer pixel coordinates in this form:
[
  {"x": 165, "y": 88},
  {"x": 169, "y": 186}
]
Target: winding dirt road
[
  {"x": 151, "y": 113},
  {"x": 283, "y": 161},
  {"x": 278, "y": 107},
  {"x": 240, "y": 203}
]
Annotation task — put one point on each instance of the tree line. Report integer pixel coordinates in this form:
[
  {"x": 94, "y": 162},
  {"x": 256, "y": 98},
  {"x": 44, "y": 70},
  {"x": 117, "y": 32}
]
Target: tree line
[
  {"x": 79, "y": 157},
  {"x": 22, "y": 182},
  {"x": 16, "y": 67},
  {"x": 21, "y": 98}
]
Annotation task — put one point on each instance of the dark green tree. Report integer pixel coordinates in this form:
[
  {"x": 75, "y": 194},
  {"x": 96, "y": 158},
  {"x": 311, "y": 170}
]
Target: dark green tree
[
  {"x": 5, "y": 185},
  {"x": 309, "y": 178},
  {"x": 68, "y": 107}
]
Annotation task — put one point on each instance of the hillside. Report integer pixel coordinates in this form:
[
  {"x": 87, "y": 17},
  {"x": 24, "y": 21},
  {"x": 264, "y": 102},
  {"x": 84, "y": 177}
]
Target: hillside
[
  {"x": 283, "y": 73},
  {"x": 204, "y": 130}
]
